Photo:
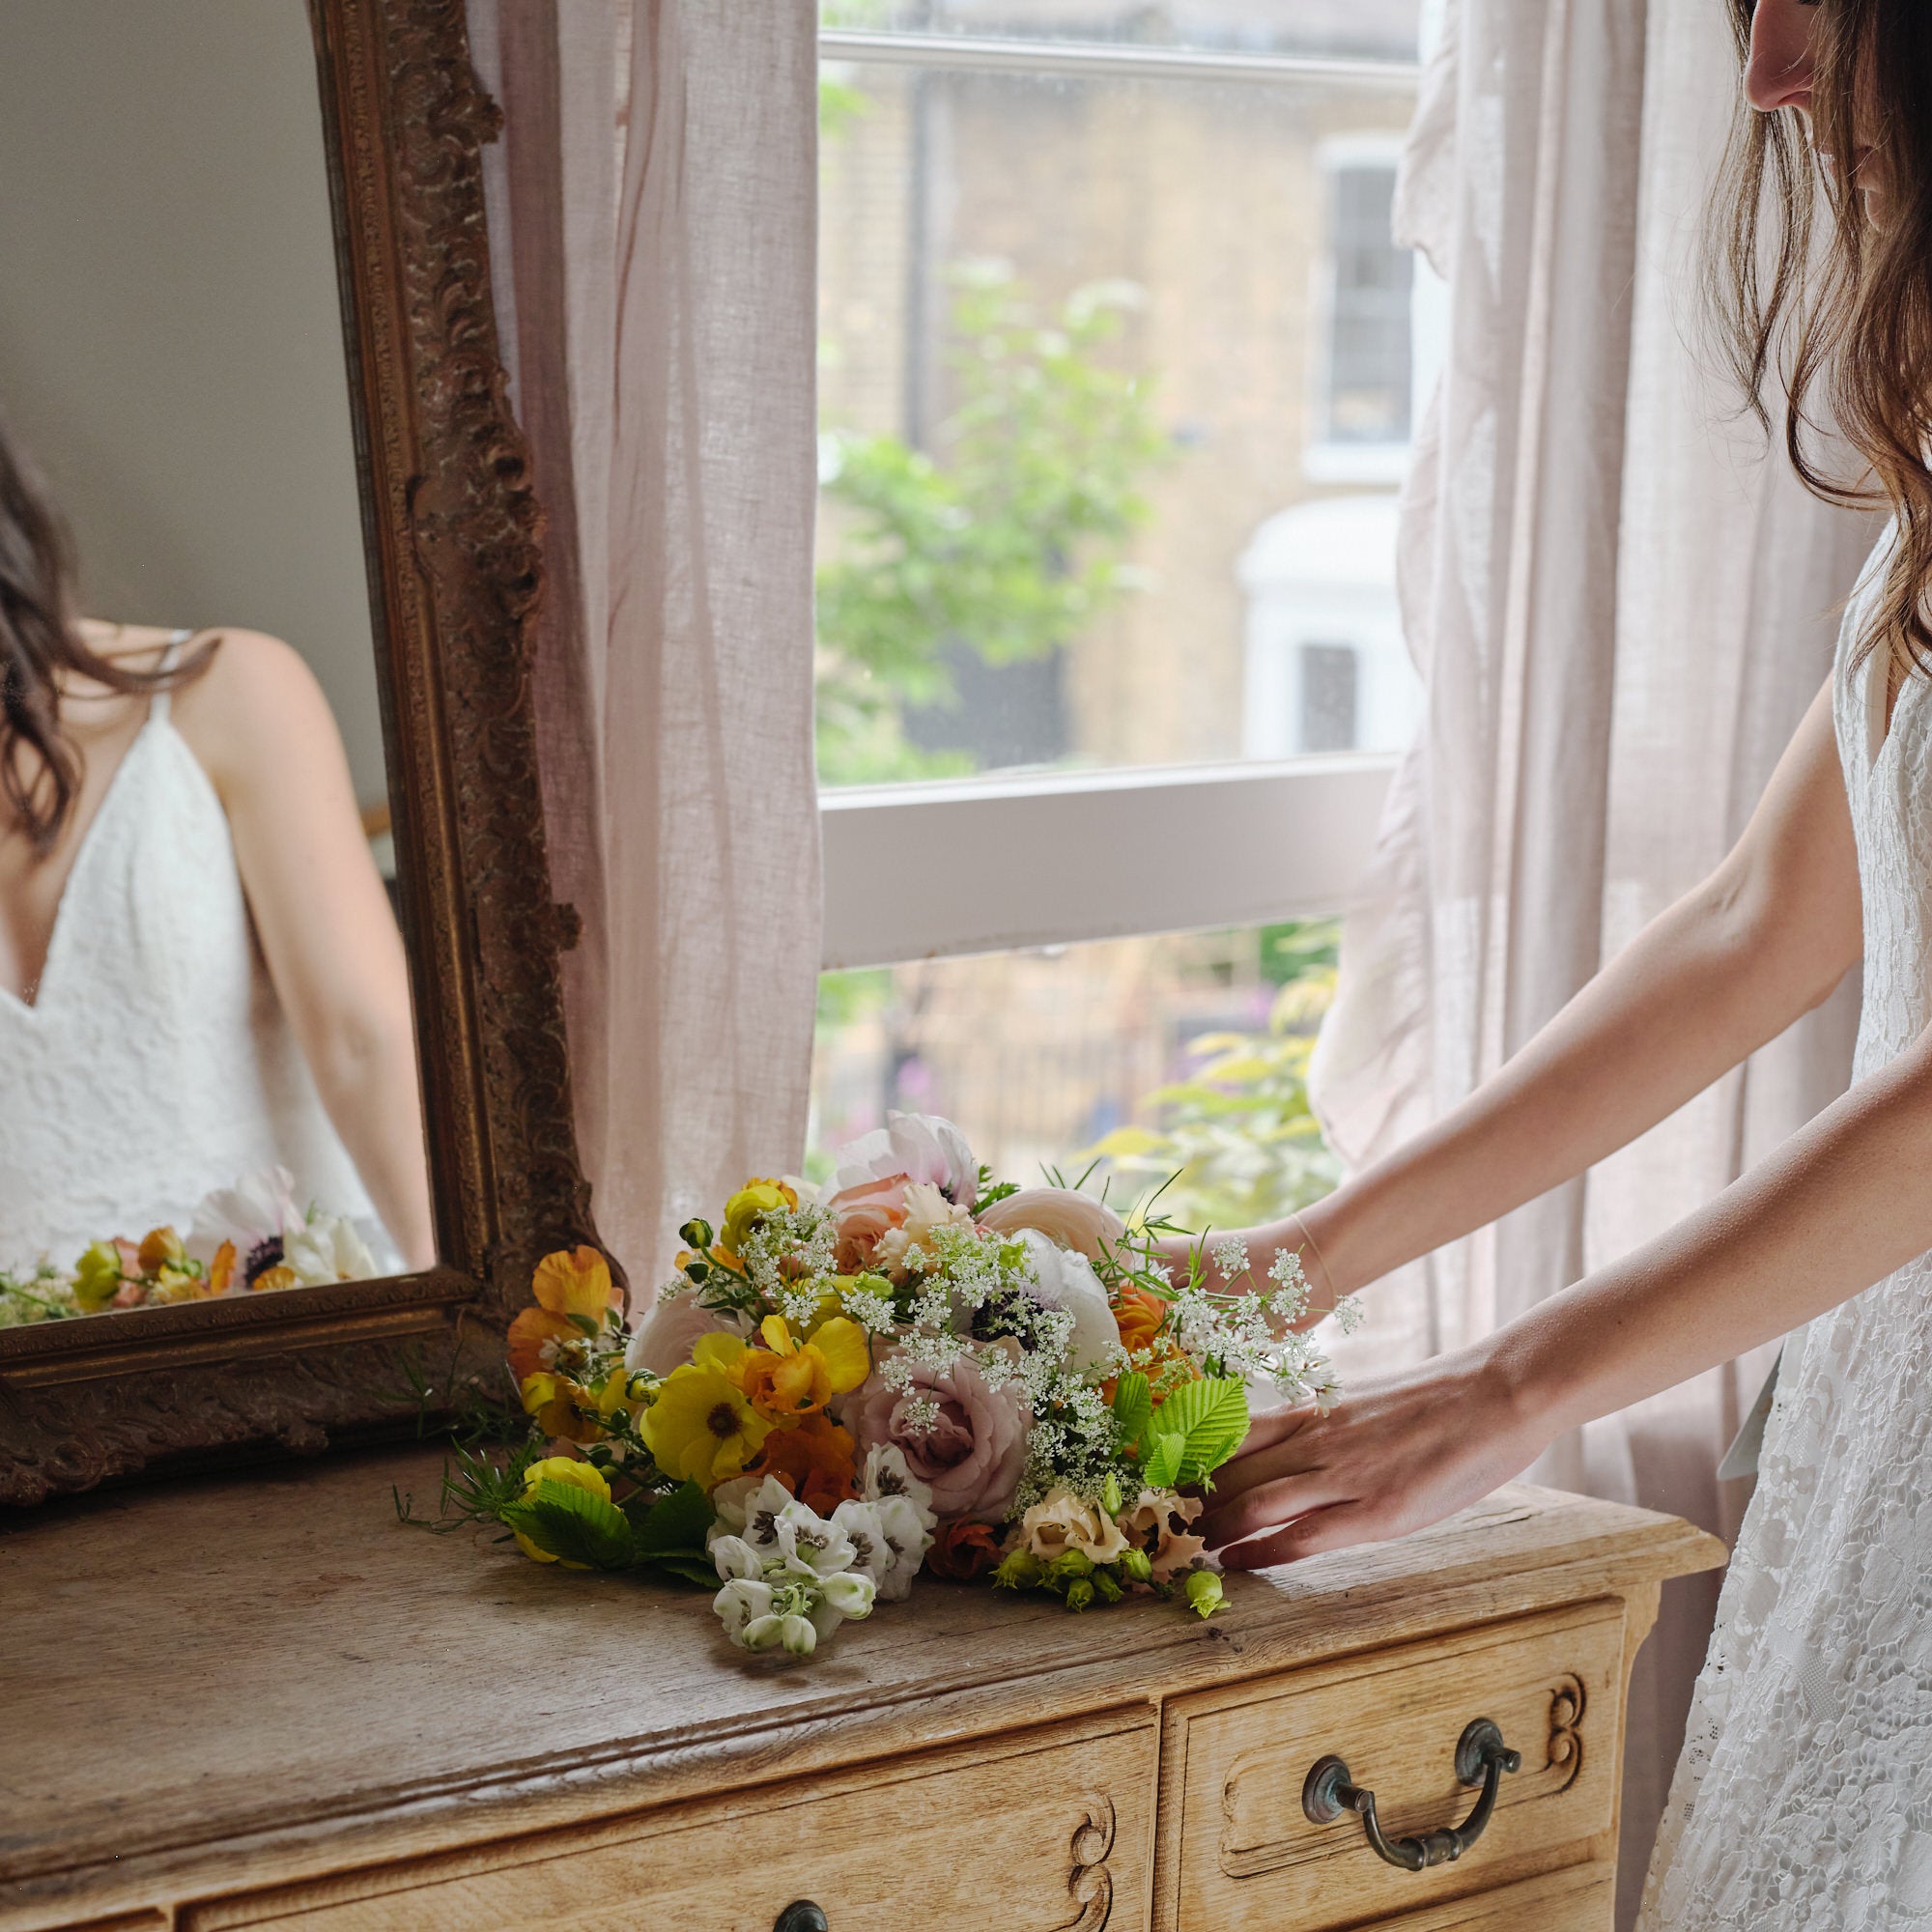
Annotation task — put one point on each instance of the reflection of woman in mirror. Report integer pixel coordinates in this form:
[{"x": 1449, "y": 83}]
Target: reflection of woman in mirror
[{"x": 199, "y": 975}]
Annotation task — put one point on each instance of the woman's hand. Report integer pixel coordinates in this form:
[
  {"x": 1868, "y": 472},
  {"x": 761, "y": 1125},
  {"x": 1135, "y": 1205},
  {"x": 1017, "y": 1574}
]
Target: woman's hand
[{"x": 1395, "y": 1454}]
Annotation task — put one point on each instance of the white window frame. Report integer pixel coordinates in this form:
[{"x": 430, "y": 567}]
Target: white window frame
[{"x": 1065, "y": 857}]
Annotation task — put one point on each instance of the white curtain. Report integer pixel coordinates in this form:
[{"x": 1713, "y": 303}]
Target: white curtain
[
  {"x": 652, "y": 210},
  {"x": 1621, "y": 603}
]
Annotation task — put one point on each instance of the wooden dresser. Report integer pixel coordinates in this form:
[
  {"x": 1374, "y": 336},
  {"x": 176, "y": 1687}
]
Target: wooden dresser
[{"x": 256, "y": 1701}]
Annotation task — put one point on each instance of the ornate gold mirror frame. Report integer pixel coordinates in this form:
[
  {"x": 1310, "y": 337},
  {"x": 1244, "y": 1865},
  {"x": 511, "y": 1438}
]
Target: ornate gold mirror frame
[{"x": 453, "y": 536}]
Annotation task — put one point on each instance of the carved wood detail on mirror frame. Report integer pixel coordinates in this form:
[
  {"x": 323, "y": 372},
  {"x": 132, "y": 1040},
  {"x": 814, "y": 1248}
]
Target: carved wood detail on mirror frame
[{"x": 452, "y": 530}]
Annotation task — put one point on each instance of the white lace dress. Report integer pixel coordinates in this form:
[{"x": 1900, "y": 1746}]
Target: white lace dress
[
  {"x": 155, "y": 1063},
  {"x": 1803, "y": 1801}
]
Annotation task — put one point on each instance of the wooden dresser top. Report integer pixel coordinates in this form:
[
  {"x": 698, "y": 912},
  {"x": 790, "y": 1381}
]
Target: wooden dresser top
[{"x": 267, "y": 1658}]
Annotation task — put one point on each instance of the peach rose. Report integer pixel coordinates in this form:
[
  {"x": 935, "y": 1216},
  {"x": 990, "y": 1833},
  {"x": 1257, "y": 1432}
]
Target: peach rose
[
  {"x": 1067, "y": 1217},
  {"x": 861, "y": 1216},
  {"x": 970, "y": 1456}
]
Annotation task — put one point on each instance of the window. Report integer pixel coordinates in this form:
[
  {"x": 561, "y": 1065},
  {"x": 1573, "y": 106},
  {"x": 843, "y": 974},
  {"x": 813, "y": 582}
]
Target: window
[
  {"x": 1328, "y": 683},
  {"x": 1095, "y": 278},
  {"x": 1369, "y": 318}
]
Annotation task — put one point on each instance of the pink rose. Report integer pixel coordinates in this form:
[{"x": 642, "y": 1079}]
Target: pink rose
[
  {"x": 666, "y": 1337},
  {"x": 863, "y": 1213},
  {"x": 972, "y": 1455}
]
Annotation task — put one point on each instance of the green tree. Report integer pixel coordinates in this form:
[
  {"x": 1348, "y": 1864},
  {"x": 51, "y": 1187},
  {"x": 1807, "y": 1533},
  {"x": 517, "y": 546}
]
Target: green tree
[
  {"x": 1008, "y": 541},
  {"x": 1237, "y": 1137}
]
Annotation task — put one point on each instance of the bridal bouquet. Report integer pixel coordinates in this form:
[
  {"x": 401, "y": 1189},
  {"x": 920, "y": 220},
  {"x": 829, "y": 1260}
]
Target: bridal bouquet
[
  {"x": 251, "y": 1236},
  {"x": 921, "y": 1371}
]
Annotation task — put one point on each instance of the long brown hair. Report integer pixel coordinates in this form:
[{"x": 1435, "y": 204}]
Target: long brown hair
[
  {"x": 1844, "y": 321},
  {"x": 39, "y": 766}
]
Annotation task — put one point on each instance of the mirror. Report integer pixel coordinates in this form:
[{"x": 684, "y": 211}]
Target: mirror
[
  {"x": 207, "y": 1065},
  {"x": 247, "y": 336}
]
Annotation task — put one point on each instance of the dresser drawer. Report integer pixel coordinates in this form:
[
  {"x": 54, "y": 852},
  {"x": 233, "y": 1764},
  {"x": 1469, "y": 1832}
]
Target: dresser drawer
[
  {"x": 1237, "y": 1850},
  {"x": 1583, "y": 1899},
  {"x": 1043, "y": 1830}
]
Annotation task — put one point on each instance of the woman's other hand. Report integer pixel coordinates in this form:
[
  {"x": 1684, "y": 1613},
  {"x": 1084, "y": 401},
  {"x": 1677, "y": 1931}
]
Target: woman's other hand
[
  {"x": 1396, "y": 1453},
  {"x": 1261, "y": 1245}
]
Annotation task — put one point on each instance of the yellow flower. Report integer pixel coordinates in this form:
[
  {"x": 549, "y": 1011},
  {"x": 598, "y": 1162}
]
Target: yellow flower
[
  {"x": 559, "y": 1469},
  {"x": 572, "y": 1282},
  {"x": 788, "y": 1379},
  {"x": 97, "y": 1277},
  {"x": 553, "y": 1401},
  {"x": 160, "y": 1248},
  {"x": 754, "y": 1199},
  {"x": 701, "y": 1427}
]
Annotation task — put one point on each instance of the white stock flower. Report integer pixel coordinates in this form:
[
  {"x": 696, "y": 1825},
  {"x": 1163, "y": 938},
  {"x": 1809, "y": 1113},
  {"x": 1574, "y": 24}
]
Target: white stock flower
[
  {"x": 741, "y": 1603},
  {"x": 749, "y": 1506},
  {"x": 922, "y": 1147},
  {"x": 850, "y": 1595},
  {"x": 736, "y": 1559},
  {"x": 325, "y": 1248},
  {"x": 808, "y": 1545}
]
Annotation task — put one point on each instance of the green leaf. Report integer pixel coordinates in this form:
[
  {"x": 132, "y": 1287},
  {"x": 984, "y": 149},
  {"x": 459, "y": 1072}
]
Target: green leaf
[
  {"x": 1164, "y": 1460},
  {"x": 1208, "y": 1419},
  {"x": 692, "y": 1568},
  {"x": 575, "y": 1525},
  {"x": 675, "y": 1526},
  {"x": 1133, "y": 1408}
]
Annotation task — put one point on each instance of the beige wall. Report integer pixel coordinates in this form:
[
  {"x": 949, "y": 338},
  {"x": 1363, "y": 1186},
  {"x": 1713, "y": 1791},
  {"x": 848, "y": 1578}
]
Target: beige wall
[{"x": 170, "y": 340}]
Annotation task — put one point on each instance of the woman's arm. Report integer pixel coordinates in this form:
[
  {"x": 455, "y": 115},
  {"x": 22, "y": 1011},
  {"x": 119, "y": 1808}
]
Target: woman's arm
[
  {"x": 264, "y": 732},
  {"x": 1728, "y": 967},
  {"x": 1839, "y": 1206}
]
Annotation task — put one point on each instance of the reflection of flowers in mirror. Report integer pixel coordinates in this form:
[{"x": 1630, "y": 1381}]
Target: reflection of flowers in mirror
[{"x": 247, "y": 1238}]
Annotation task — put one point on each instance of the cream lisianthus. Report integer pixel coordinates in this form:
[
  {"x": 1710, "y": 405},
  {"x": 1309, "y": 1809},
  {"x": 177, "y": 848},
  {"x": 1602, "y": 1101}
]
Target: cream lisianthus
[{"x": 1061, "y": 1521}]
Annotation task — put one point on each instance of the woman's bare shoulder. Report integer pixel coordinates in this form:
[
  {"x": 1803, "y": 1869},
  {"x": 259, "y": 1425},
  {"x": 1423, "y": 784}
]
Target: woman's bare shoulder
[{"x": 256, "y": 698}]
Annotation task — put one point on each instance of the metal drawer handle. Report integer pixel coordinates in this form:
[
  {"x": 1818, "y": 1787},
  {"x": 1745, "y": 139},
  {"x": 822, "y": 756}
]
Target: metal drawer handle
[
  {"x": 801, "y": 1915},
  {"x": 1480, "y": 1758}
]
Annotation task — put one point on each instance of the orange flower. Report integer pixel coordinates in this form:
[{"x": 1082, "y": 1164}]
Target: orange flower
[
  {"x": 221, "y": 1269},
  {"x": 788, "y": 1379},
  {"x": 814, "y": 1460},
  {"x": 963, "y": 1550},
  {"x": 572, "y": 1282},
  {"x": 1140, "y": 1315},
  {"x": 555, "y": 1403}
]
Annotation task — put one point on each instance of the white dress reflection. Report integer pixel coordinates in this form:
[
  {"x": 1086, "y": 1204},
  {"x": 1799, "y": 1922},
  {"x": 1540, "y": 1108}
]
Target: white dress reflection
[{"x": 200, "y": 977}]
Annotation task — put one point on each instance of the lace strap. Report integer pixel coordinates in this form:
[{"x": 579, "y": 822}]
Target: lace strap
[{"x": 158, "y": 705}]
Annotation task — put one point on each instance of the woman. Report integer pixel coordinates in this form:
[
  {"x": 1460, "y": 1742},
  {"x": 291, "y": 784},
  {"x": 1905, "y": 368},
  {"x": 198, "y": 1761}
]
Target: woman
[
  {"x": 1803, "y": 1798},
  {"x": 200, "y": 977}
]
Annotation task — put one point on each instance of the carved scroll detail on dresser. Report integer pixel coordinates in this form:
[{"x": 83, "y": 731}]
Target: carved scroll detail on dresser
[
  {"x": 1567, "y": 1705},
  {"x": 1091, "y": 1882}
]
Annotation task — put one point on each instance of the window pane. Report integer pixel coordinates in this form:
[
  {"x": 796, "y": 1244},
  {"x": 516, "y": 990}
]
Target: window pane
[
  {"x": 1179, "y": 1059},
  {"x": 1375, "y": 28},
  {"x": 1115, "y": 397}
]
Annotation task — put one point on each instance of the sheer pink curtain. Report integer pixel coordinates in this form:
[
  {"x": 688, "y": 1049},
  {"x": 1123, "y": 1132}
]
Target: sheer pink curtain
[
  {"x": 653, "y": 236},
  {"x": 1622, "y": 607}
]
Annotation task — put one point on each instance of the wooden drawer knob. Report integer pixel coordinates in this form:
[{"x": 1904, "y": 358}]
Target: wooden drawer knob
[{"x": 1480, "y": 1758}]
